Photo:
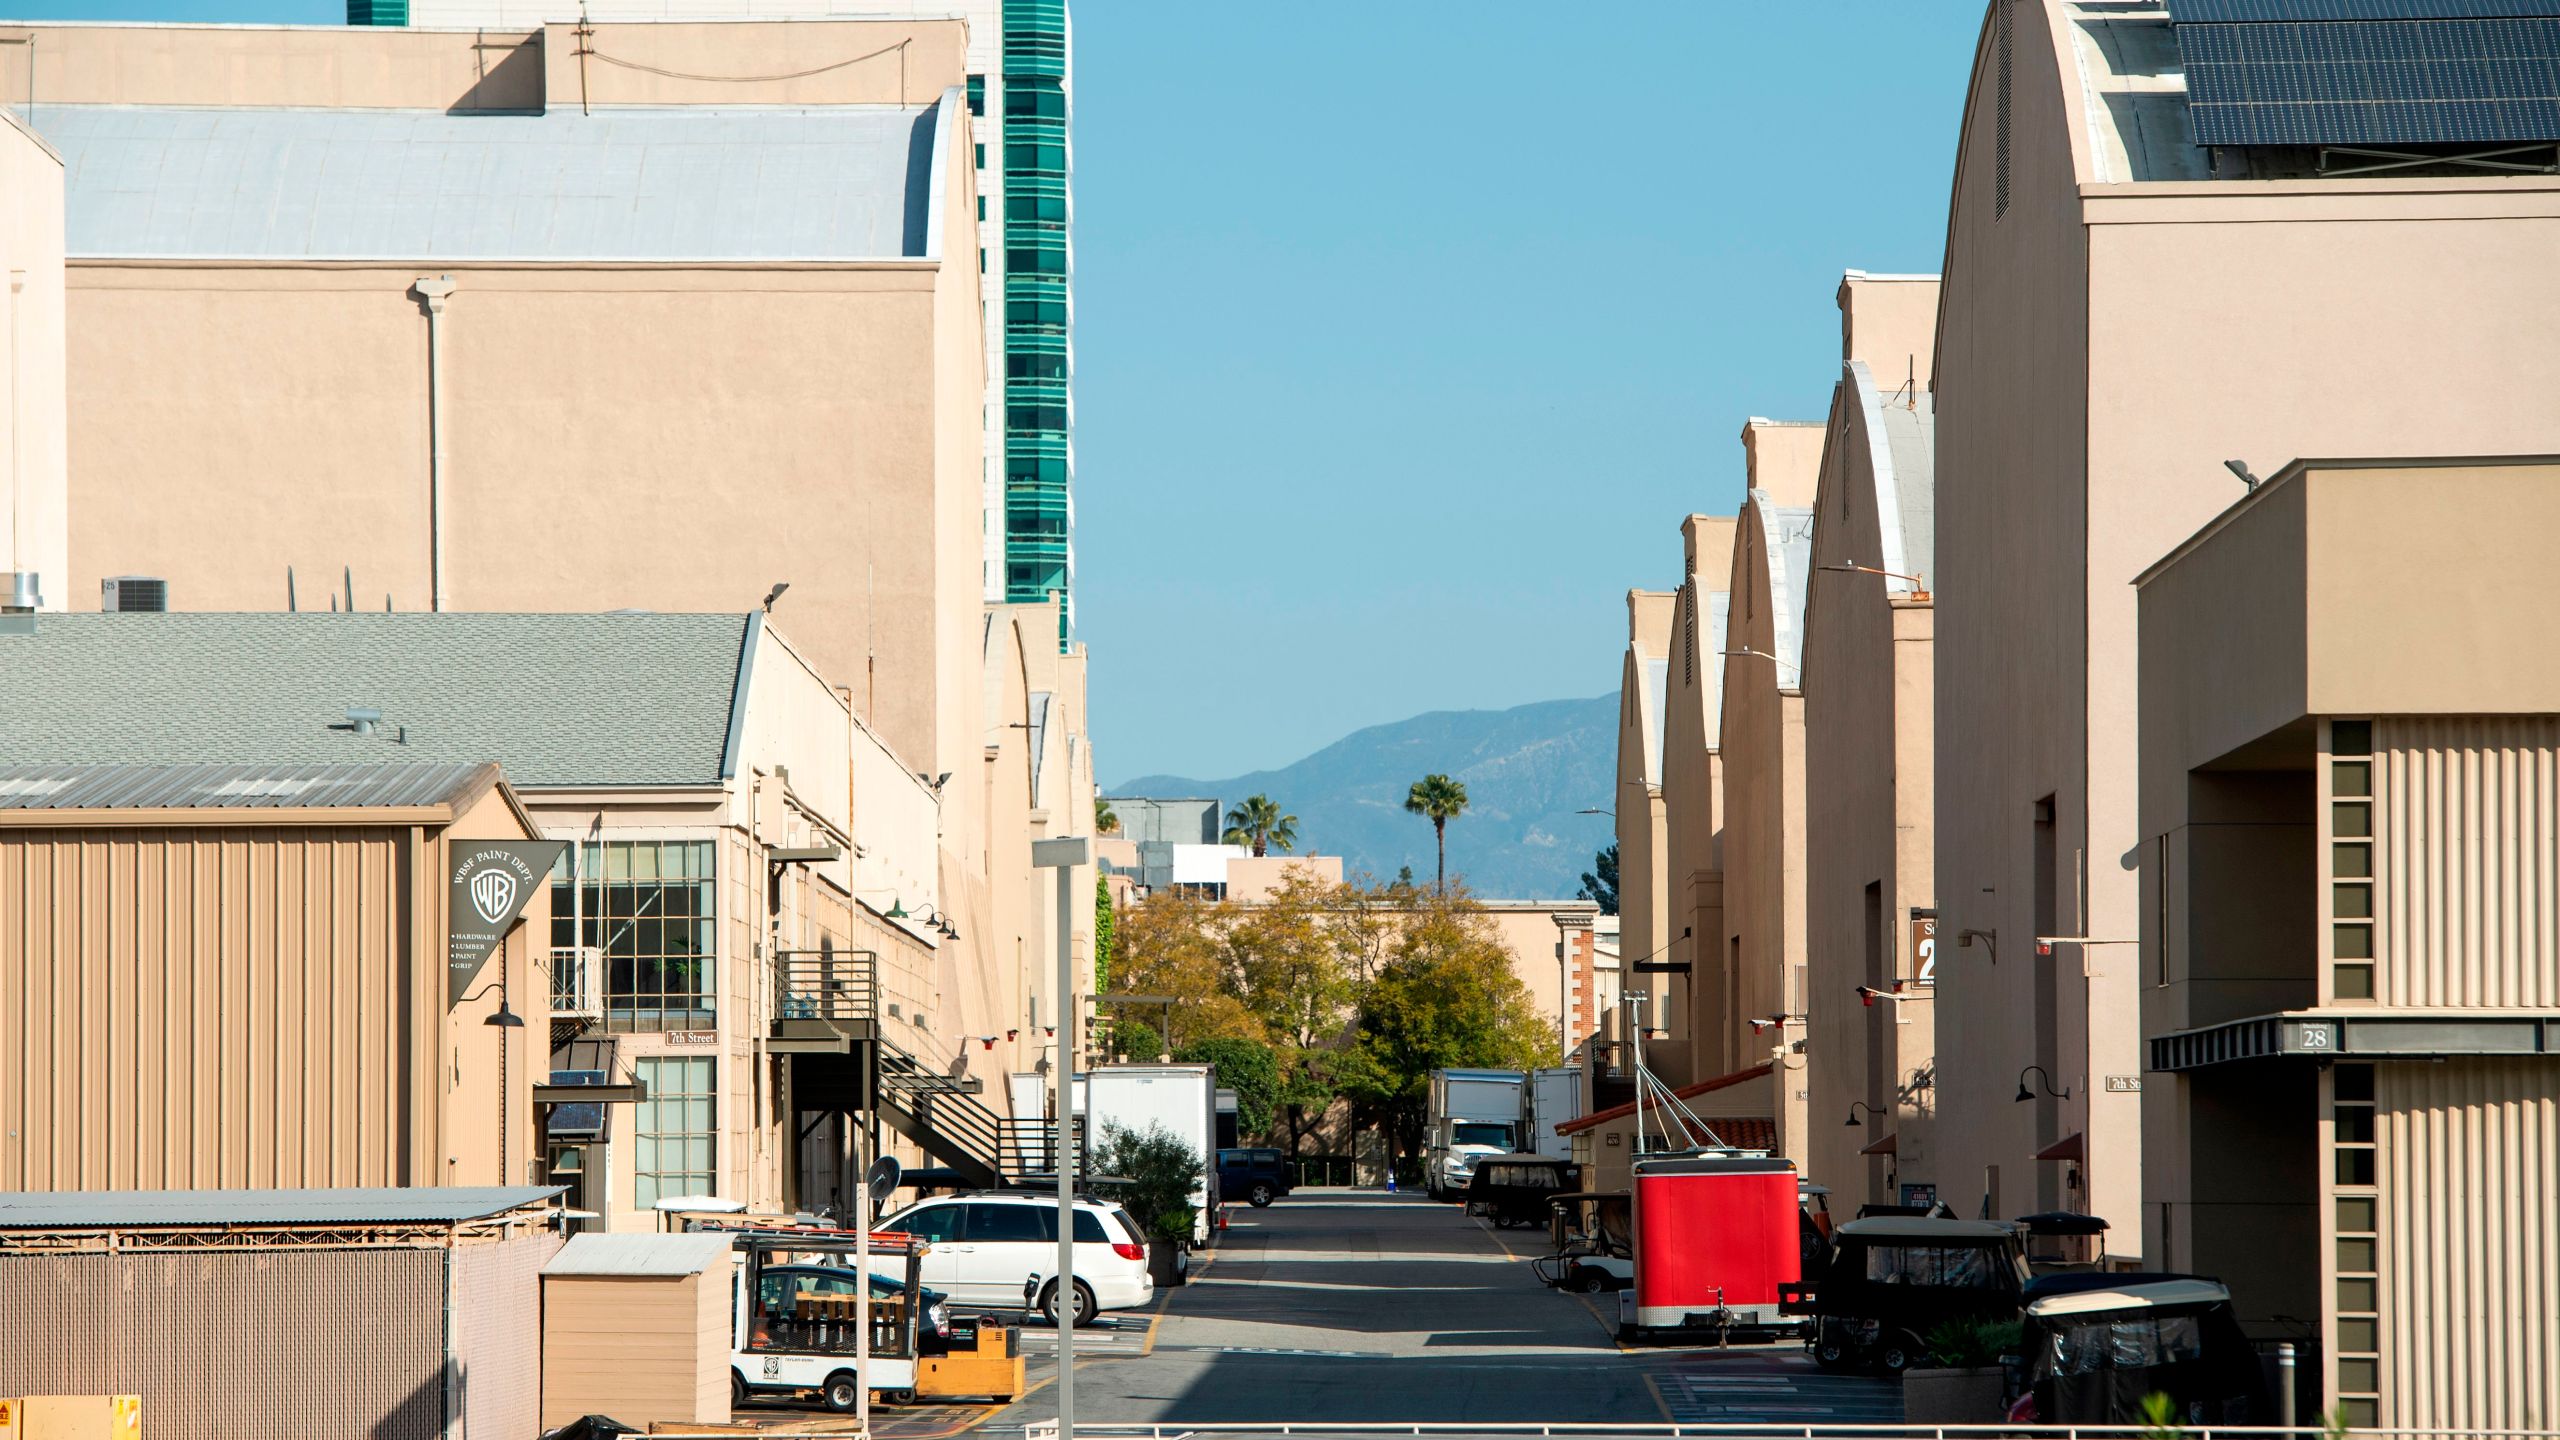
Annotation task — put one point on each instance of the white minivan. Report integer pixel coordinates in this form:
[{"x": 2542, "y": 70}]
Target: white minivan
[{"x": 985, "y": 1246}]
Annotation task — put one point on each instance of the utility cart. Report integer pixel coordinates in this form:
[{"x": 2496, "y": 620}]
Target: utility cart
[{"x": 797, "y": 1305}]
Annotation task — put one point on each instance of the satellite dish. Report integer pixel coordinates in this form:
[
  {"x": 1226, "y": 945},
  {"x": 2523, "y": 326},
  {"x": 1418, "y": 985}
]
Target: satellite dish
[{"x": 882, "y": 1180}]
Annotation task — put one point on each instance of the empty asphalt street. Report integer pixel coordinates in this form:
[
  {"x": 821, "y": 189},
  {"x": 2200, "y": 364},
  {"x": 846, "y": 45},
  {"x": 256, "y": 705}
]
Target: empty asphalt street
[{"x": 1357, "y": 1306}]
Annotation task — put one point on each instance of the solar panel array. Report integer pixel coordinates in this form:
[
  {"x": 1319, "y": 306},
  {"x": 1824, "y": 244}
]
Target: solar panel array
[{"x": 2370, "y": 72}]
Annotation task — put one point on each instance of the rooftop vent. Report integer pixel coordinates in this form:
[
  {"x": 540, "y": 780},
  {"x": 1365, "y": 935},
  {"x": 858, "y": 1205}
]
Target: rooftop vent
[{"x": 134, "y": 595}]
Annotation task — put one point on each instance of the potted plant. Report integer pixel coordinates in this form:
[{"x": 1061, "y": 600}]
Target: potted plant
[
  {"x": 1962, "y": 1382},
  {"x": 1154, "y": 1176}
]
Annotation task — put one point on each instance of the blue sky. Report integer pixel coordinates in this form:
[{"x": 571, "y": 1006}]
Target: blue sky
[{"x": 1406, "y": 333}]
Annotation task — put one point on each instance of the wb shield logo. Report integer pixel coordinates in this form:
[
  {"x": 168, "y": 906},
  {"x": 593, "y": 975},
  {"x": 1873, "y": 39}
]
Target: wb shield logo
[{"x": 493, "y": 894}]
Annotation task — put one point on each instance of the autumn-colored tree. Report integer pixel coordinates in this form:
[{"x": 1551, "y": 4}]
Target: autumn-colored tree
[{"x": 1171, "y": 944}]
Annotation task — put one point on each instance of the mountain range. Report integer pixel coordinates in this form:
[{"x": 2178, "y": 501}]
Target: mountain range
[{"x": 1527, "y": 770}]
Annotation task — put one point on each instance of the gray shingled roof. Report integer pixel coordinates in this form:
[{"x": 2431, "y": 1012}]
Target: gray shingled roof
[
  {"x": 233, "y": 787},
  {"x": 692, "y": 183},
  {"x": 555, "y": 700},
  {"x": 163, "y": 1209}
]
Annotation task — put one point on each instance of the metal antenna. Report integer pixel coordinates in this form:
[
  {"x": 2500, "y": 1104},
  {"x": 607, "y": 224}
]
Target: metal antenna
[
  {"x": 290, "y": 604},
  {"x": 351, "y": 589}
]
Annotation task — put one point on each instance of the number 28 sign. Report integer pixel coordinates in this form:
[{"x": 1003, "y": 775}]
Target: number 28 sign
[{"x": 1924, "y": 947}]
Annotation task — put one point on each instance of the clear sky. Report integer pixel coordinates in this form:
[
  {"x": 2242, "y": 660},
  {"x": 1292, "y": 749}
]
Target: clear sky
[{"x": 1406, "y": 333}]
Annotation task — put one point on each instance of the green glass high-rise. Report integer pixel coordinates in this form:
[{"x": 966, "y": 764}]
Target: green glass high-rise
[{"x": 1039, "y": 306}]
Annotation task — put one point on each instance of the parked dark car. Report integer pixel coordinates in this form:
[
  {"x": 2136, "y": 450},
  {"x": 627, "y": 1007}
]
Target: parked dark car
[
  {"x": 2097, "y": 1347},
  {"x": 1259, "y": 1176},
  {"x": 1888, "y": 1281}
]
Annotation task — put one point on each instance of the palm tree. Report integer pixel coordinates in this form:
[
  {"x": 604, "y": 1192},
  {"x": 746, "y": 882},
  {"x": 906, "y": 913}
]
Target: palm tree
[
  {"x": 1441, "y": 800},
  {"x": 1104, "y": 822},
  {"x": 1258, "y": 823}
]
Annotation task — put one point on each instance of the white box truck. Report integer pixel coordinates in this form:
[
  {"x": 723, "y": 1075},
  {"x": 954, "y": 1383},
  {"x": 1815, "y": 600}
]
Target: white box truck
[
  {"x": 1553, "y": 1096},
  {"x": 1474, "y": 1113},
  {"x": 1183, "y": 1099}
]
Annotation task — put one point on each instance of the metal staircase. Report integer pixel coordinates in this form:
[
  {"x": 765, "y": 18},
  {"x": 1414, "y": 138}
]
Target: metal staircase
[{"x": 826, "y": 1018}]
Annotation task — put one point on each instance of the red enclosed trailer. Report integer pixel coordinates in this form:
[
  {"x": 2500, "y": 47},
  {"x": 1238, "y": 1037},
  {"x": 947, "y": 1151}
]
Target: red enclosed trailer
[{"x": 1715, "y": 1236}]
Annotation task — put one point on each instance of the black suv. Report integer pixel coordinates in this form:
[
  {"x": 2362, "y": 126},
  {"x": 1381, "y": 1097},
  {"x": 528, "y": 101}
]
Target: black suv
[{"x": 1260, "y": 1176}]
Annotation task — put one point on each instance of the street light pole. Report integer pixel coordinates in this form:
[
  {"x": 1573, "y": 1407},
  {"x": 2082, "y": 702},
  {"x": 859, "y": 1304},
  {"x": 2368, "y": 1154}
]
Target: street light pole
[{"x": 1063, "y": 855}]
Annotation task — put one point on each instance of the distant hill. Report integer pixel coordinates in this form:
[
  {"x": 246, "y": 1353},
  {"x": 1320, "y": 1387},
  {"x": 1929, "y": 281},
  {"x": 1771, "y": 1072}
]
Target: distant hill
[{"x": 1527, "y": 770}]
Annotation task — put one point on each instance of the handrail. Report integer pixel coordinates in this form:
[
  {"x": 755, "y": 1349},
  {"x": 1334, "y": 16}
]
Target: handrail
[
  {"x": 577, "y": 981},
  {"x": 828, "y": 984}
]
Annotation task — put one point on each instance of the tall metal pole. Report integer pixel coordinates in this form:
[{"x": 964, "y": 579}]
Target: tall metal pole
[
  {"x": 1066, "y": 1015},
  {"x": 862, "y": 1283},
  {"x": 1064, "y": 855}
]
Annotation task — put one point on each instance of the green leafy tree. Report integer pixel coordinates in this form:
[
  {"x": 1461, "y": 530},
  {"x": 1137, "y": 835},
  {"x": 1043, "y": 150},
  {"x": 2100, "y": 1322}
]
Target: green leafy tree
[
  {"x": 1104, "y": 821},
  {"x": 1288, "y": 955},
  {"x": 1249, "y": 1068},
  {"x": 1136, "y": 1040},
  {"x": 1106, "y": 932},
  {"x": 1258, "y": 825},
  {"x": 1600, "y": 882},
  {"x": 1153, "y": 1174},
  {"x": 1446, "y": 998},
  {"x": 1438, "y": 799}
]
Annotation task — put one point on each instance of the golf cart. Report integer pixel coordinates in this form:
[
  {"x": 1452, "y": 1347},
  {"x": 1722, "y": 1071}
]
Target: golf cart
[
  {"x": 2097, "y": 1345},
  {"x": 1889, "y": 1280},
  {"x": 1593, "y": 1252},
  {"x": 1514, "y": 1189}
]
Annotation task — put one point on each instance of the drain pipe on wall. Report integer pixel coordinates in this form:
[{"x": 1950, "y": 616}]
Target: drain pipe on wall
[{"x": 432, "y": 293}]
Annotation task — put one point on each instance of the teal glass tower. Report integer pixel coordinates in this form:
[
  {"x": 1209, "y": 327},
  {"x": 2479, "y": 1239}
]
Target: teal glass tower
[{"x": 1039, "y": 307}]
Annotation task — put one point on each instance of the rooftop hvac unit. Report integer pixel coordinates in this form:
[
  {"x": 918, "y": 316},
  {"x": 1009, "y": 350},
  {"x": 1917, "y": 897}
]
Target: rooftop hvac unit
[{"x": 135, "y": 594}]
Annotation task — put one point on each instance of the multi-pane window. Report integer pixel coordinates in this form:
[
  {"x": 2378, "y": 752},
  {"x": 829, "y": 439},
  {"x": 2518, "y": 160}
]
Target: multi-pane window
[
  {"x": 648, "y": 905},
  {"x": 2351, "y": 826},
  {"x": 2358, "y": 1241},
  {"x": 678, "y": 1127}
]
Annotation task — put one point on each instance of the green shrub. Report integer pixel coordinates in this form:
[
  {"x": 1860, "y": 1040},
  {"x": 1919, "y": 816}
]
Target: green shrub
[
  {"x": 1152, "y": 1174},
  {"x": 1970, "y": 1344}
]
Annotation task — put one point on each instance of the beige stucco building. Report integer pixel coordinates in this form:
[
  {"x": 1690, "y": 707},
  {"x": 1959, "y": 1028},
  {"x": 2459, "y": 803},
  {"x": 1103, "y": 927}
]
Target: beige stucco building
[
  {"x": 2350, "y": 732},
  {"x": 1692, "y": 802},
  {"x": 1638, "y": 813},
  {"x": 2124, "y": 311},
  {"x": 1870, "y": 902},
  {"x": 493, "y": 391},
  {"x": 1748, "y": 993},
  {"x": 32, "y": 539}
]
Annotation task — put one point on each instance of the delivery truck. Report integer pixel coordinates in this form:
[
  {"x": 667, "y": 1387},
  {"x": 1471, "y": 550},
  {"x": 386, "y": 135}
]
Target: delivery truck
[
  {"x": 1182, "y": 1099},
  {"x": 1551, "y": 1097},
  {"x": 1474, "y": 1113}
]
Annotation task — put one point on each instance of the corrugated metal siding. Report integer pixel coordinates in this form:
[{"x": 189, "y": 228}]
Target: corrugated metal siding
[
  {"x": 2467, "y": 854},
  {"x": 202, "y": 1008},
  {"x": 497, "y": 1292},
  {"x": 251, "y": 1344},
  {"x": 2469, "y": 1164}
]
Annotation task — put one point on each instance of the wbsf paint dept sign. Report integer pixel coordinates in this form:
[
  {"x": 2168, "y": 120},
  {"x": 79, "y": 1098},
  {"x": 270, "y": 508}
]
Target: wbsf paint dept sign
[{"x": 492, "y": 883}]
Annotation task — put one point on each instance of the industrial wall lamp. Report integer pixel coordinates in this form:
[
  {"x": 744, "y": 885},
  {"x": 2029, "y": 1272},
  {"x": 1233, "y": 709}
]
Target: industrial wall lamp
[
  {"x": 1853, "y": 1122},
  {"x": 2025, "y": 1094}
]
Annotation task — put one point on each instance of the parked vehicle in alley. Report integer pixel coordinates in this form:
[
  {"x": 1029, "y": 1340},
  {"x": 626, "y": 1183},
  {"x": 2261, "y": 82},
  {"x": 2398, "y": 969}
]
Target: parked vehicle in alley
[
  {"x": 1718, "y": 1242},
  {"x": 1256, "y": 1177},
  {"x": 795, "y": 1324},
  {"x": 1182, "y": 1100},
  {"x": 1888, "y": 1280},
  {"x": 1549, "y": 1098},
  {"x": 1473, "y": 1114},
  {"x": 984, "y": 1246},
  {"x": 1592, "y": 1252},
  {"x": 1514, "y": 1189},
  {"x": 2097, "y": 1346}
]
